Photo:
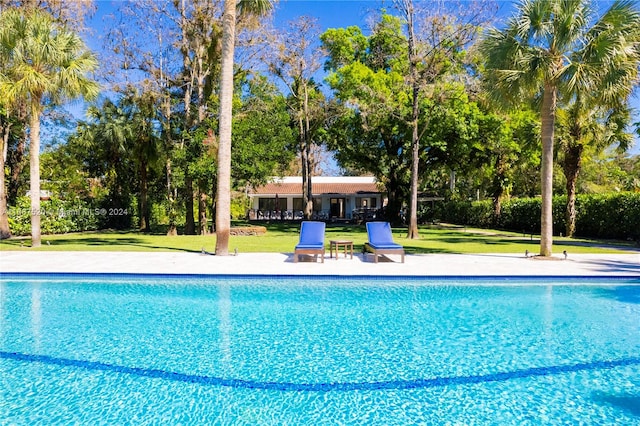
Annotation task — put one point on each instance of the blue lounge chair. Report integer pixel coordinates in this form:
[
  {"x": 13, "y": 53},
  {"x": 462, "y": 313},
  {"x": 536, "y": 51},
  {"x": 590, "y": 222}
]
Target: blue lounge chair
[
  {"x": 311, "y": 240},
  {"x": 381, "y": 241}
]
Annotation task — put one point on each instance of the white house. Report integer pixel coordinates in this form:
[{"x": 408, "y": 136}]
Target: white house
[{"x": 335, "y": 197}]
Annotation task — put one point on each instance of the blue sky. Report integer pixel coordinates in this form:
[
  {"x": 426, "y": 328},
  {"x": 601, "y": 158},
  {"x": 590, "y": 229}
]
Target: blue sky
[
  {"x": 336, "y": 14},
  {"x": 343, "y": 13},
  {"x": 330, "y": 13}
]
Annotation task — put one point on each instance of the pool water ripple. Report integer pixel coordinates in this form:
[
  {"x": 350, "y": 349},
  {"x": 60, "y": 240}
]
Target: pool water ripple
[
  {"x": 322, "y": 387},
  {"x": 290, "y": 351}
]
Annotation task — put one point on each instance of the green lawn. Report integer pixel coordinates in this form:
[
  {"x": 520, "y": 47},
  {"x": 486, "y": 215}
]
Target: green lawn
[{"x": 281, "y": 238}]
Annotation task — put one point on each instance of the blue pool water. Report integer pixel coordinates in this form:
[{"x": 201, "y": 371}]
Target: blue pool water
[{"x": 314, "y": 351}]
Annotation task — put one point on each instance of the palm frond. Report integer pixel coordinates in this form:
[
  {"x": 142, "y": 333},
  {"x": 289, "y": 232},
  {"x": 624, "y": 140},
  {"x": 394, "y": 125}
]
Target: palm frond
[{"x": 254, "y": 7}]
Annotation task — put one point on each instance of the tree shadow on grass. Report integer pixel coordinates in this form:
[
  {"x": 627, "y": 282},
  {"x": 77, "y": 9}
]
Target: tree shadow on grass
[
  {"x": 120, "y": 243},
  {"x": 454, "y": 241},
  {"x": 412, "y": 249},
  {"x": 613, "y": 245}
]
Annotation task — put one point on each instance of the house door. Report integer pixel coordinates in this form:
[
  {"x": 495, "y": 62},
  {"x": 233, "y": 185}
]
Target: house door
[{"x": 337, "y": 207}]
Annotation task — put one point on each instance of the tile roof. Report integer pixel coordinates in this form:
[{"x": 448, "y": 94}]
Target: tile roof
[{"x": 316, "y": 188}]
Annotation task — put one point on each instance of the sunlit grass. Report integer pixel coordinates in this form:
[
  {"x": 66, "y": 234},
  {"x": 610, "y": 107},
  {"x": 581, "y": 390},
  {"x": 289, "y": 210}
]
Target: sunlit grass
[{"x": 281, "y": 238}]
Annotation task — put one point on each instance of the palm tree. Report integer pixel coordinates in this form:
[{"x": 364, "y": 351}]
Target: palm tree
[
  {"x": 598, "y": 113},
  {"x": 110, "y": 137},
  {"x": 46, "y": 62},
  {"x": 140, "y": 110},
  {"x": 223, "y": 191},
  {"x": 550, "y": 51},
  {"x": 587, "y": 127}
]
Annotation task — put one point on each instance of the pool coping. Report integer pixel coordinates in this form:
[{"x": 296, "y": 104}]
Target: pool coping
[
  {"x": 282, "y": 265},
  {"x": 232, "y": 279}
]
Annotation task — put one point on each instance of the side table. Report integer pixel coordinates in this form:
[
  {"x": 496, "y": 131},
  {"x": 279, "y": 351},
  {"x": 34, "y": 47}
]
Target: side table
[{"x": 336, "y": 244}]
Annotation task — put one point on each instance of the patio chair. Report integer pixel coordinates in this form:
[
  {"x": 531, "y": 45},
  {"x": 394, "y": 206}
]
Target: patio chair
[
  {"x": 381, "y": 241},
  {"x": 311, "y": 240}
]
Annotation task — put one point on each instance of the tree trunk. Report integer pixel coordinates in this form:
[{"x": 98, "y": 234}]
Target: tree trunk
[
  {"x": 548, "y": 115},
  {"x": 223, "y": 193},
  {"x": 189, "y": 224},
  {"x": 499, "y": 179},
  {"x": 571, "y": 168},
  {"x": 173, "y": 230},
  {"x": 202, "y": 209},
  {"x": 201, "y": 79},
  {"x": 305, "y": 134},
  {"x": 412, "y": 231},
  {"x": 144, "y": 199},
  {"x": 16, "y": 164},
  {"x": 307, "y": 195},
  {"x": 394, "y": 199},
  {"x": 5, "y": 232},
  {"x": 212, "y": 212},
  {"x": 34, "y": 176},
  {"x": 15, "y": 159},
  {"x": 171, "y": 195},
  {"x": 415, "y": 153}
]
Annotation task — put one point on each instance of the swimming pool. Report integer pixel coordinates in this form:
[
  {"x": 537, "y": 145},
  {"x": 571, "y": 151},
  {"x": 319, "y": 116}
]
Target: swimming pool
[{"x": 301, "y": 350}]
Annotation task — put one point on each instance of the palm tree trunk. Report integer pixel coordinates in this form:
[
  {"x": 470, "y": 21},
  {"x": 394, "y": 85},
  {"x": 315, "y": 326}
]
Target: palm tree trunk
[
  {"x": 571, "y": 168},
  {"x": 34, "y": 176},
  {"x": 223, "y": 193},
  {"x": 5, "y": 231},
  {"x": 548, "y": 116}
]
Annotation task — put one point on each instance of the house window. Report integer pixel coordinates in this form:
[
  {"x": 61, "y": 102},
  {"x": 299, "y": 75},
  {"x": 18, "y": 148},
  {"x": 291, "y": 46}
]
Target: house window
[
  {"x": 366, "y": 203},
  {"x": 337, "y": 207},
  {"x": 272, "y": 204},
  {"x": 317, "y": 204}
]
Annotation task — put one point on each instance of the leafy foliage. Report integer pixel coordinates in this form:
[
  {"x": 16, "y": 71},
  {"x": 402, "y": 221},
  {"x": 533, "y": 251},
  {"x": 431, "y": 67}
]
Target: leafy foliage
[
  {"x": 372, "y": 134},
  {"x": 262, "y": 137},
  {"x": 608, "y": 216},
  {"x": 57, "y": 216},
  {"x": 152, "y": 149}
]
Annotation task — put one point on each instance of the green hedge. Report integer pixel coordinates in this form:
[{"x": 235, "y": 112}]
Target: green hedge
[
  {"x": 615, "y": 216},
  {"x": 609, "y": 216},
  {"x": 56, "y": 216}
]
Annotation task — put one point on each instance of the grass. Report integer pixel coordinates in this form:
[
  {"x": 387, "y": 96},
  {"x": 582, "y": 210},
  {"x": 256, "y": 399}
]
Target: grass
[{"x": 282, "y": 237}]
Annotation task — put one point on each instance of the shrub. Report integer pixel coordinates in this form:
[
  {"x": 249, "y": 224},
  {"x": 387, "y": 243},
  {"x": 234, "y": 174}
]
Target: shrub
[
  {"x": 598, "y": 215},
  {"x": 609, "y": 216},
  {"x": 56, "y": 216}
]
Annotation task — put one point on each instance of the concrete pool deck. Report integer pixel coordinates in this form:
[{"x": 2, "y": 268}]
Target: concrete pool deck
[{"x": 282, "y": 264}]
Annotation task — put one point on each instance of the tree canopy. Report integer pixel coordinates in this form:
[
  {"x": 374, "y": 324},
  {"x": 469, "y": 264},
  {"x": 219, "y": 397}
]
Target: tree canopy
[{"x": 432, "y": 102}]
